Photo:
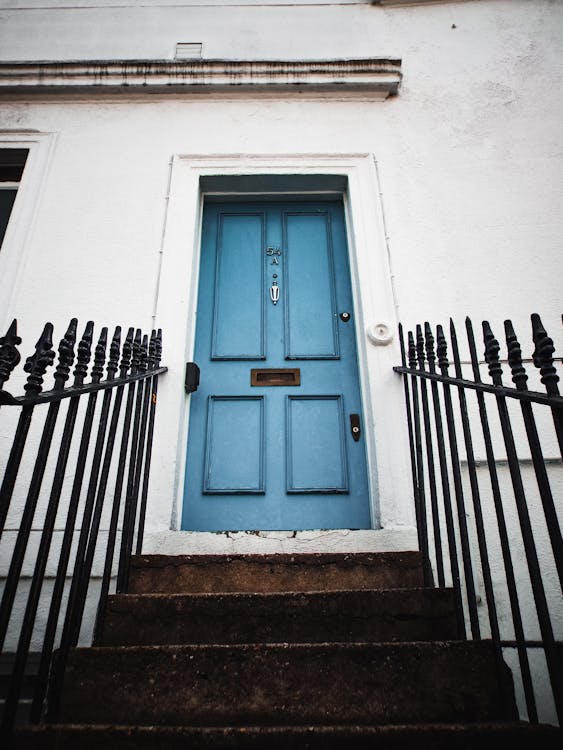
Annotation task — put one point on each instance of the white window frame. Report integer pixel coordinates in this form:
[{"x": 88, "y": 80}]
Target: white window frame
[{"x": 14, "y": 254}]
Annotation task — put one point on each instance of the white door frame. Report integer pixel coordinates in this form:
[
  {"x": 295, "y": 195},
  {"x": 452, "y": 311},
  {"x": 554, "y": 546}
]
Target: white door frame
[{"x": 175, "y": 312}]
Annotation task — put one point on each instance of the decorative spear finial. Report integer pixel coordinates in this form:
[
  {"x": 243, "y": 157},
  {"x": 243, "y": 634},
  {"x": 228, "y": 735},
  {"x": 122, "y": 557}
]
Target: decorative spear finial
[
  {"x": 9, "y": 355},
  {"x": 429, "y": 339},
  {"x": 126, "y": 353},
  {"x": 100, "y": 356},
  {"x": 492, "y": 349},
  {"x": 412, "y": 351},
  {"x": 136, "y": 360},
  {"x": 83, "y": 356},
  {"x": 36, "y": 365},
  {"x": 518, "y": 371},
  {"x": 66, "y": 355},
  {"x": 420, "y": 347},
  {"x": 442, "y": 349},
  {"x": 543, "y": 356},
  {"x": 158, "y": 348},
  {"x": 114, "y": 352},
  {"x": 151, "y": 358},
  {"x": 144, "y": 354}
]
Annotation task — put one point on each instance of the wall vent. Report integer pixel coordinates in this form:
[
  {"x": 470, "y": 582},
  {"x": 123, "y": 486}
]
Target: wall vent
[{"x": 188, "y": 50}]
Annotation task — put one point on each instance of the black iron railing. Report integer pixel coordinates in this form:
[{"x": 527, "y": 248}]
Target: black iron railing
[
  {"x": 102, "y": 448},
  {"x": 505, "y": 542}
]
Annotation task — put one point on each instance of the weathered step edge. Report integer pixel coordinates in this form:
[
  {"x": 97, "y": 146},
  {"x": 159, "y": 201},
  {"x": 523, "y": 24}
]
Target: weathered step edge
[
  {"x": 283, "y": 572},
  {"x": 303, "y": 617},
  {"x": 485, "y": 736},
  {"x": 286, "y": 683}
]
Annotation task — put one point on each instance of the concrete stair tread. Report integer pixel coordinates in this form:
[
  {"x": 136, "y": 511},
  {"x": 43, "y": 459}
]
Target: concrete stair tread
[
  {"x": 427, "y": 736},
  {"x": 283, "y": 572},
  {"x": 328, "y": 683},
  {"x": 317, "y": 616}
]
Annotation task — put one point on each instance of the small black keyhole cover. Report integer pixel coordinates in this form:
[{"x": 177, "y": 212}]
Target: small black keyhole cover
[{"x": 345, "y": 317}]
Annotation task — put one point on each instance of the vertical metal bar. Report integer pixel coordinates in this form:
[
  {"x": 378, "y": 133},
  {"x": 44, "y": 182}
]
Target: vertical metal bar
[
  {"x": 552, "y": 658},
  {"x": 429, "y": 339},
  {"x": 423, "y": 528},
  {"x": 460, "y": 504},
  {"x": 102, "y": 487},
  {"x": 73, "y": 615},
  {"x": 411, "y": 436},
  {"x": 130, "y": 508},
  {"x": 152, "y": 388},
  {"x": 116, "y": 507},
  {"x": 114, "y": 520},
  {"x": 72, "y": 606},
  {"x": 476, "y": 498},
  {"x": 448, "y": 513},
  {"x": 66, "y": 357},
  {"x": 60, "y": 576},
  {"x": 427, "y": 432},
  {"x": 13, "y": 463},
  {"x": 519, "y": 378},
  {"x": 140, "y": 455},
  {"x": 36, "y": 366},
  {"x": 503, "y": 535}
]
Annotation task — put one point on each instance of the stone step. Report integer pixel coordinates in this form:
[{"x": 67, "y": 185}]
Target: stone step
[
  {"x": 304, "y": 617},
  {"x": 175, "y": 574},
  {"x": 485, "y": 736},
  {"x": 280, "y": 684}
]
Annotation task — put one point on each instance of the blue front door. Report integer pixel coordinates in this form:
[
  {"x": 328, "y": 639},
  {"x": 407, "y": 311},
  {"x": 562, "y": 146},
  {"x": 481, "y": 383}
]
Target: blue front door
[{"x": 276, "y": 434}]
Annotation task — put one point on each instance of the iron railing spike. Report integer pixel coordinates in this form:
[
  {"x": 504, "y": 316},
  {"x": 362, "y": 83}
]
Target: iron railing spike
[
  {"x": 66, "y": 355},
  {"x": 543, "y": 356},
  {"x": 412, "y": 351},
  {"x": 114, "y": 352},
  {"x": 492, "y": 349},
  {"x": 36, "y": 365},
  {"x": 84, "y": 351},
  {"x": 519, "y": 376},
  {"x": 9, "y": 355},
  {"x": 100, "y": 356}
]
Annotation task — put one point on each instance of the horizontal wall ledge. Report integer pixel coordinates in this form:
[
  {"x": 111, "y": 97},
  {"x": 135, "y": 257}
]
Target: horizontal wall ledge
[{"x": 374, "y": 77}]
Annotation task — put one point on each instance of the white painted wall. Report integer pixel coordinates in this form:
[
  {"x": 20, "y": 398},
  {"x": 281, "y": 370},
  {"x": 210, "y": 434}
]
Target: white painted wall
[{"x": 466, "y": 168}]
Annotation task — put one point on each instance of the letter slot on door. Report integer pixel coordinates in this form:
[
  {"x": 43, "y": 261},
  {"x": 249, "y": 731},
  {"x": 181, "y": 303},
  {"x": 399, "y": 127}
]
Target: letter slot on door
[{"x": 282, "y": 376}]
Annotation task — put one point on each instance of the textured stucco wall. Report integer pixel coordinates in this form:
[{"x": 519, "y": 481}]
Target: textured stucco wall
[{"x": 468, "y": 155}]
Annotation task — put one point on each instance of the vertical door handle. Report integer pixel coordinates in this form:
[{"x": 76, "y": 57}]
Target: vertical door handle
[
  {"x": 191, "y": 381},
  {"x": 274, "y": 292},
  {"x": 355, "y": 426}
]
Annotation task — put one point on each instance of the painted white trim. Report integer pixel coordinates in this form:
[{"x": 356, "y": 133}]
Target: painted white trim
[
  {"x": 371, "y": 280},
  {"x": 14, "y": 254},
  {"x": 134, "y": 4},
  {"x": 403, "y": 3},
  {"x": 282, "y": 542},
  {"x": 376, "y": 78}
]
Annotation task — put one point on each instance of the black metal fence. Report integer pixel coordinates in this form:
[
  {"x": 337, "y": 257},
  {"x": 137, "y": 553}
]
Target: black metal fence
[
  {"x": 101, "y": 448},
  {"x": 505, "y": 540}
]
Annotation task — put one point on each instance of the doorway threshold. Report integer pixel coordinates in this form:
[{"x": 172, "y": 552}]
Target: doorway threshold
[{"x": 396, "y": 539}]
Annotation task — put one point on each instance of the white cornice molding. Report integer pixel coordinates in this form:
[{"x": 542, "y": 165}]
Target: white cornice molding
[
  {"x": 377, "y": 78},
  {"x": 400, "y": 3}
]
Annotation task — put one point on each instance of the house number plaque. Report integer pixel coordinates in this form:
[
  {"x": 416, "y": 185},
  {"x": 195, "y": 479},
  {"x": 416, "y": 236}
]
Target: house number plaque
[{"x": 274, "y": 253}]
